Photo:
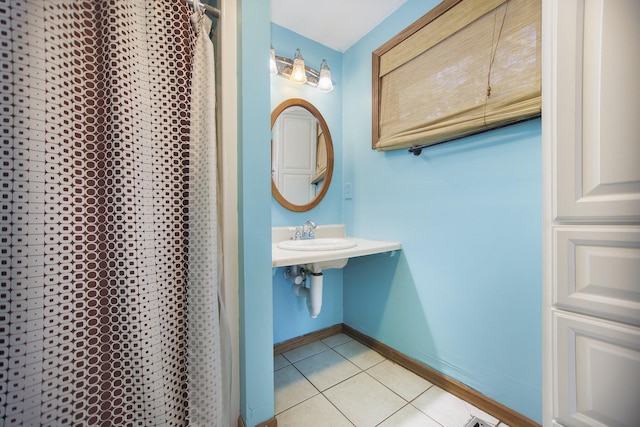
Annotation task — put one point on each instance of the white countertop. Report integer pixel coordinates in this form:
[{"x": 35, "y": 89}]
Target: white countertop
[{"x": 283, "y": 257}]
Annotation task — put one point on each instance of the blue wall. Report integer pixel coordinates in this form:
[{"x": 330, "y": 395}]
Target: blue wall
[
  {"x": 465, "y": 294},
  {"x": 254, "y": 219},
  {"x": 290, "y": 315}
]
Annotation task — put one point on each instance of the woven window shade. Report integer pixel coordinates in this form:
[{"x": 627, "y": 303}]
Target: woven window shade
[{"x": 433, "y": 85}]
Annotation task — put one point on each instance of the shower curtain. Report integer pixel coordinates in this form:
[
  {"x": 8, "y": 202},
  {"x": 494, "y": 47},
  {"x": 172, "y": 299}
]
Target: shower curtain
[
  {"x": 108, "y": 307},
  {"x": 205, "y": 266}
]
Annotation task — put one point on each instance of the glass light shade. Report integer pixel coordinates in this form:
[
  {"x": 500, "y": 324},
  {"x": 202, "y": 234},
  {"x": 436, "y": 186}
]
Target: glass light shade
[
  {"x": 324, "y": 83},
  {"x": 298, "y": 73},
  {"x": 272, "y": 62}
]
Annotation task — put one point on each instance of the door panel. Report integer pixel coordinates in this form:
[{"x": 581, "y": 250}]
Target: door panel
[
  {"x": 598, "y": 271},
  {"x": 296, "y": 133},
  {"x": 598, "y": 372},
  {"x": 598, "y": 164}
]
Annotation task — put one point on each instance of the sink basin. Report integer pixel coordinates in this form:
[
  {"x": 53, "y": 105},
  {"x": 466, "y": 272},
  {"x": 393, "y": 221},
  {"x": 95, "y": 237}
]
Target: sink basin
[{"x": 321, "y": 244}]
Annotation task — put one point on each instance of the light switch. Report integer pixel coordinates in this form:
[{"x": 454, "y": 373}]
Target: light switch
[{"x": 348, "y": 191}]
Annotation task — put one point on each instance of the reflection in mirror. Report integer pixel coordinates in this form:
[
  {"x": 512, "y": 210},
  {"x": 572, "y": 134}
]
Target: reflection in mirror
[{"x": 301, "y": 155}]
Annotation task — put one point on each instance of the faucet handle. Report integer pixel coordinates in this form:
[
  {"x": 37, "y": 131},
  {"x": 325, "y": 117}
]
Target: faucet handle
[
  {"x": 307, "y": 229},
  {"x": 298, "y": 234}
]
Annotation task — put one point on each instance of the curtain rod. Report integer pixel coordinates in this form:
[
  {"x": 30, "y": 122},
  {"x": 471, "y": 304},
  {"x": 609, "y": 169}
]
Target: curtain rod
[
  {"x": 214, "y": 10},
  {"x": 417, "y": 150}
]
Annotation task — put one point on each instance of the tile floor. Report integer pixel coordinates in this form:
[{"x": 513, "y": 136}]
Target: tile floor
[{"x": 338, "y": 382}]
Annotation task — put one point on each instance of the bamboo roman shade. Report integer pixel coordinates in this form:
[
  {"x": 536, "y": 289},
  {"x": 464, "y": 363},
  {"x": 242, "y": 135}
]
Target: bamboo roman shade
[{"x": 472, "y": 68}]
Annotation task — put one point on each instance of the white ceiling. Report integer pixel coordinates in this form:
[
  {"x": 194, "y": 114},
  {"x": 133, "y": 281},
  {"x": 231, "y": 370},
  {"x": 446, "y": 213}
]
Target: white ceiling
[{"x": 337, "y": 24}]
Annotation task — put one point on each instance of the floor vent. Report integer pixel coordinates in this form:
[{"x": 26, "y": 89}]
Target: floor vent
[{"x": 477, "y": 422}]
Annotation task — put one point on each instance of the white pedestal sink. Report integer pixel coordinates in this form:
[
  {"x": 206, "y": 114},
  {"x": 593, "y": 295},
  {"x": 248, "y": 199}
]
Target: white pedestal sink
[{"x": 320, "y": 244}]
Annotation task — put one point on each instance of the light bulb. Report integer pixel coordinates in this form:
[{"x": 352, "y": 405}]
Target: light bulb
[
  {"x": 298, "y": 73},
  {"x": 324, "y": 83},
  {"x": 272, "y": 62}
]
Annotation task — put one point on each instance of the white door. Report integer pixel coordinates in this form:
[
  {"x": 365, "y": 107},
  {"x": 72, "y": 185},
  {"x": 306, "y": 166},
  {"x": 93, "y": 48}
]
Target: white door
[
  {"x": 591, "y": 162},
  {"x": 295, "y": 132}
]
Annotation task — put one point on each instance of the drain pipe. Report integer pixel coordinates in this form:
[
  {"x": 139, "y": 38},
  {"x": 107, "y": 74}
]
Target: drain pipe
[
  {"x": 313, "y": 293},
  {"x": 314, "y": 302},
  {"x": 295, "y": 274}
]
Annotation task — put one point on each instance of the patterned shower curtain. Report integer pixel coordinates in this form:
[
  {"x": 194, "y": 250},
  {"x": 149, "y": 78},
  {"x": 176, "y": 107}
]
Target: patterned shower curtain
[
  {"x": 102, "y": 185},
  {"x": 205, "y": 267}
]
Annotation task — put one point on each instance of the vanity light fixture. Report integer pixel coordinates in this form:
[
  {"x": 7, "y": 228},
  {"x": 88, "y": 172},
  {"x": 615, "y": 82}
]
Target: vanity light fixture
[{"x": 295, "y": 70}]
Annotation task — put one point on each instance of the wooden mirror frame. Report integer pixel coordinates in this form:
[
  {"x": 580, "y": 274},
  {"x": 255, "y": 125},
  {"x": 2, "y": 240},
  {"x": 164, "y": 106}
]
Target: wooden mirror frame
[{"x": 293, "y": 102}]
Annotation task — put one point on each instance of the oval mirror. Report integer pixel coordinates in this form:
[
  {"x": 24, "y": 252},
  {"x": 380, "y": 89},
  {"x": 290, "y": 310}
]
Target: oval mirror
[{"x": 301, "y": 155}]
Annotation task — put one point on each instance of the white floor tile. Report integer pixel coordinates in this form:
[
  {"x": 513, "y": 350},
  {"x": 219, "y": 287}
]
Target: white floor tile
[
  {"x": 363, "y": 400},
  {"x": 447, "y": 409},
  {"x": 326, "y": 369},
  {"x": 280, "y": 362},
  {"x": 305, "y": 351},
  {"x": 402, "y": 381},
  {"x": 409, "y": 416},
  {"x": 377, "y": 397},
  {"x": 315, "y": 412},
  {"x": 291, "y": 388},
  {"x": 337, "y": 339},
  {"x": 360, "y": 355}
]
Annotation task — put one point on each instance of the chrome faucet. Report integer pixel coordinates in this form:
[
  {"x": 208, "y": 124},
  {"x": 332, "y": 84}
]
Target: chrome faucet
[{"x": 306, "y": 231}]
